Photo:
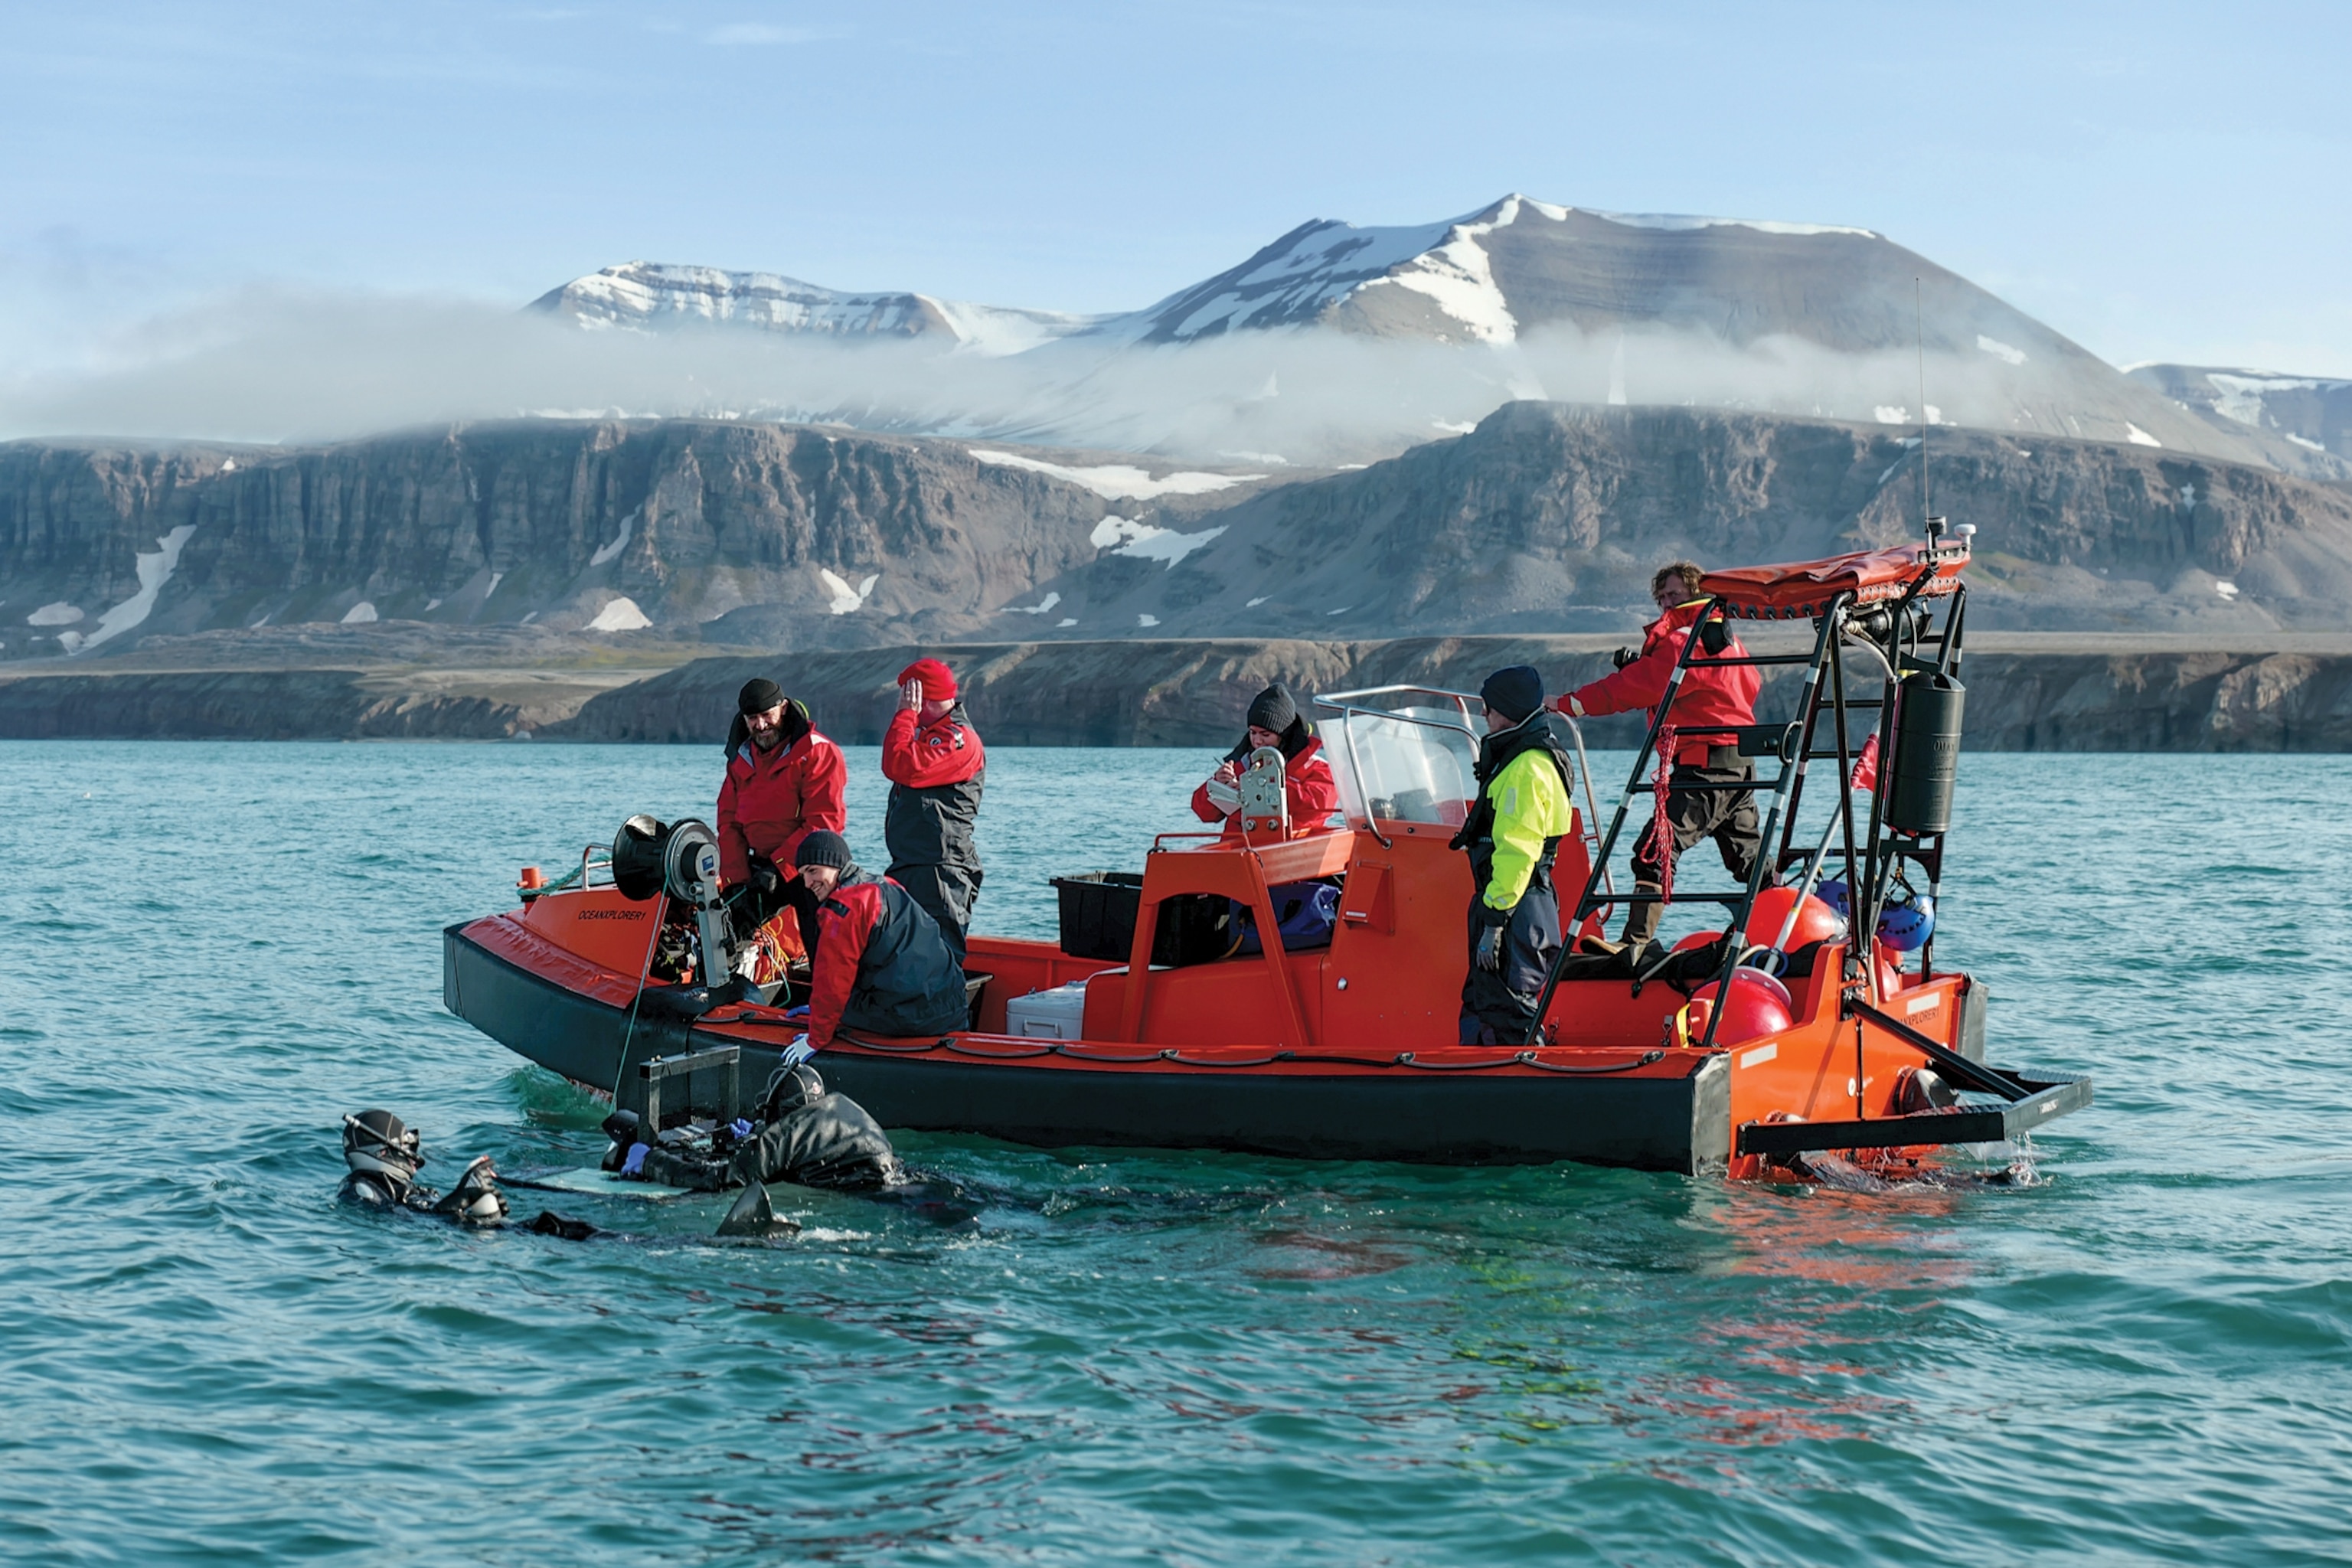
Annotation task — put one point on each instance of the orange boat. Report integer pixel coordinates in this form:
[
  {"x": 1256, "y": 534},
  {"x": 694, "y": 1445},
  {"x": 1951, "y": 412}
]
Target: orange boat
[{"x": 1347, "y": 1049}]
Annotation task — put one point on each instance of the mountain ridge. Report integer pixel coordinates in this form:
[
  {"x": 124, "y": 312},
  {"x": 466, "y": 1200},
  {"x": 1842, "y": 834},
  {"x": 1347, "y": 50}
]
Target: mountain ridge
[
  {"x": 1518, "y": 299},
  {"x": 1545, "y": 517}
]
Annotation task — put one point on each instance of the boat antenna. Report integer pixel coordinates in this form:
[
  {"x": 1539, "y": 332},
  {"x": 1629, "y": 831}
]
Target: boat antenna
[{"x": 1934, "y": 524}]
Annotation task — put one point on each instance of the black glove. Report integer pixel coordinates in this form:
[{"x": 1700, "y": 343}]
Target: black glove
[
  {"x": 766, "y": 880},
  {"x": 1624, "y": 656},
  {"x": 1489, "y": 956}
]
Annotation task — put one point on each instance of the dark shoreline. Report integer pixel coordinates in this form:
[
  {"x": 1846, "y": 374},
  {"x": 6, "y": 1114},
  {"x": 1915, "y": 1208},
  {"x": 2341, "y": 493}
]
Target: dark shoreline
[{"x": 1143, "y": 693}]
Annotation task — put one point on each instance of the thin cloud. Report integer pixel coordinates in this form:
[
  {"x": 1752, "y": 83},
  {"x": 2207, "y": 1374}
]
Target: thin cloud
[
  {"x": 760, "y": 33},
  {"x": 285, "y": 365}
]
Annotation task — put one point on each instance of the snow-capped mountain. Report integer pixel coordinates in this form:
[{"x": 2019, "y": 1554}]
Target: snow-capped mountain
[
  {"x": 1521, "y": 299},
  {"x": 652, "y": 294},
  {"x": 2312, "y": 412}
]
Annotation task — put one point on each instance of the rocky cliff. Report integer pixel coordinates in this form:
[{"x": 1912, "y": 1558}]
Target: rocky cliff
[
  {"x": 607, "y": 525},
  {"x": 1549, "y": 517},
  {"x": 1544, "y": 518}
]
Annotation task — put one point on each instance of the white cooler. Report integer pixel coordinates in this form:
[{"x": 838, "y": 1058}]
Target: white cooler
[{"x": 1056, "y": 1014}]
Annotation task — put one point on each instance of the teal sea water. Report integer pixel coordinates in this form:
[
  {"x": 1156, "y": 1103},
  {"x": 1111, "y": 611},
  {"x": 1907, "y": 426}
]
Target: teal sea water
[{"x": 214, "y": 950}]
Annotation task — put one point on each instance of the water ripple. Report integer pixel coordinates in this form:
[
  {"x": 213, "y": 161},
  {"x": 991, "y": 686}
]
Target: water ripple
[{"x": 2141, "y": 1354}]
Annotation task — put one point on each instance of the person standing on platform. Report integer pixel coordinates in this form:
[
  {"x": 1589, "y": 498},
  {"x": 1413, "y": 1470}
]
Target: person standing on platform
[
  {"x": 784, "y": 781},
  {"x": 1515, "y": 828},
  {"x": 1713, "y": 699},
  {"x": 934, "y": 760}
]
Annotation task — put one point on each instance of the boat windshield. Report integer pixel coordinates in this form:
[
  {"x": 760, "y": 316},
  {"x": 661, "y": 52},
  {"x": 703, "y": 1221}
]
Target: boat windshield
[{"x": 1402, "y": 753}]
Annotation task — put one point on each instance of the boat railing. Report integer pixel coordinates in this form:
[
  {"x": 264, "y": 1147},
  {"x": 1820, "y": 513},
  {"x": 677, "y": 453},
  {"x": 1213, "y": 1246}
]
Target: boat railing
[{"x": 579, "y": 881}]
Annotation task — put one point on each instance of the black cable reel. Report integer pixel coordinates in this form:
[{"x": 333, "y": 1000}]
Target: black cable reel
[{"x": 680, "y": 859}]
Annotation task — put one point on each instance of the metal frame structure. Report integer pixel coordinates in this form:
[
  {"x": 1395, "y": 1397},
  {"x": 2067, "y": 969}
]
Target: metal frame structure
[{"x": 1894, "y": 636}]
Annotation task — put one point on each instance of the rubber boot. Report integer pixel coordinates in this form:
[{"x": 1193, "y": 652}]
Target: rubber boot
[{"x": 1642, "y": 919}]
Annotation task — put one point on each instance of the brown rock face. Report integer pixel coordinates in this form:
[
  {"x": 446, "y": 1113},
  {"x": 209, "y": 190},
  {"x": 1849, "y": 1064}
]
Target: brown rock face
[
  {"x": 1547, "y": 518},
  {"x": 540, "y": 521},
  {"x": 1550, "y": 517}
]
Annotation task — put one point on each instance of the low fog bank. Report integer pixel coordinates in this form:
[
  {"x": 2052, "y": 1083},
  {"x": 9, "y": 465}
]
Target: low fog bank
[{"x": 275, "y": 366}]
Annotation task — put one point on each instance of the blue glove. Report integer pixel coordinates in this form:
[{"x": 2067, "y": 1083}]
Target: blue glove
[
  {"x": 1490, "y": 950},
  {"x": 798, "y": 1012},
  {"x": 739, "y": 1128},
  {"x": 635, "y": 1165},
  {"x": 799, "y": 1051}
]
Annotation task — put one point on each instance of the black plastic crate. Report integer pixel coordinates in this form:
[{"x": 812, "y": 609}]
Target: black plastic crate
[{"x": 1099, "y": 914}]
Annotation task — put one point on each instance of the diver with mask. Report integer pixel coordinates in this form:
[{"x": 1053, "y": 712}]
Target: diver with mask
[{"x": 384, "y": 1154}]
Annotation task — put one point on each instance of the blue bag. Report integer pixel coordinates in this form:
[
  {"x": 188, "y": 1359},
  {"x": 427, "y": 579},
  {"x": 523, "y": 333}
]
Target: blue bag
[{"x": 1305, "y": 913}]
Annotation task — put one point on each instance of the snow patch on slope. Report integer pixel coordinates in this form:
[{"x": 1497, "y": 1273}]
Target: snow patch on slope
[
  {"x": 2238, "y": 396},
  {"x": 620, "y": 614},
  {"x": 2000, "y": 350},
  {"x": 845, "y": 599},
  {"x": 605, "y": 552},
  {"x": 1146, "y": 542},
  {"x": 1458, "y": 274},
  {"x": 155, "y": 569},
  {"x": 1118, "y": 481},
  {"x": 360, "y": 615},
  {"x": 1676, "y": 221},
  {"x": 59, "y": 614},
  {"x": 2138, "y": 436}
]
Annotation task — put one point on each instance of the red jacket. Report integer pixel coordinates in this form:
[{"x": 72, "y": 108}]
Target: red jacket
[
  {"x": 922, "y": 756},
  {"x": 846, "y": 921},
  {"x": 1306, "y": 780},
  {"x": 769, "y": 801},
  {"x": 1708, "y": 695},
  {"x": 879, "y": 964}
]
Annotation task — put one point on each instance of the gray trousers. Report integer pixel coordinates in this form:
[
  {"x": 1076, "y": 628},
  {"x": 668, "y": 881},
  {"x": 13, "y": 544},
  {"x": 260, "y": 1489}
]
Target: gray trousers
[
  {"x": 1499, "y": 1008},
  {"x": 946, "y": 893}
]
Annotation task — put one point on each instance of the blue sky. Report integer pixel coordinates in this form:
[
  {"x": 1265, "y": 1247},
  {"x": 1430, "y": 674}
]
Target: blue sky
[{"x": 2159, "y": 181}]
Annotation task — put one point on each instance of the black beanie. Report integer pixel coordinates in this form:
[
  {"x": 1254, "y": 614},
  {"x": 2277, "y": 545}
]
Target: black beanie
[
  {"x": 823, "y": 847},
  {"x": 1273, "y": 710},
  {"x": 758, "y": 697},
  {"x": 1514, "y": 692}
]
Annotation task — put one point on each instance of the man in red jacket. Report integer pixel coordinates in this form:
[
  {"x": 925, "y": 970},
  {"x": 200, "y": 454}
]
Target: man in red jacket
[
  {"x": 880, "y": 962},
  {"x": 1709, "y": 696},
  {"x": 783, "y": 782},
  {"x": 936, "y": 766}
]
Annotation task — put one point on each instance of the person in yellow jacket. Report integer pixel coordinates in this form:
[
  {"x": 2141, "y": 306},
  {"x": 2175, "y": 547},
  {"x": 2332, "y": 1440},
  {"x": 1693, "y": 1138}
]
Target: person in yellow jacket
[{"x": 1522, "y": 814}]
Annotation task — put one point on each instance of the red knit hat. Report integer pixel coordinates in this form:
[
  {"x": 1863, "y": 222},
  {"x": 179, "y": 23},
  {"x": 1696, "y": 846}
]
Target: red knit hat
[{"x": 938, "y": 682}]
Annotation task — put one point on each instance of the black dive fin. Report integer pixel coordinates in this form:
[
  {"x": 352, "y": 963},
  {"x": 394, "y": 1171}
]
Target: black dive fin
[{"x": 753, "y": 1215}]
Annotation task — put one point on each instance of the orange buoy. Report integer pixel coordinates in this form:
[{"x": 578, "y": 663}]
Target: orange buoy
[{"x": 1816, "y": 922}]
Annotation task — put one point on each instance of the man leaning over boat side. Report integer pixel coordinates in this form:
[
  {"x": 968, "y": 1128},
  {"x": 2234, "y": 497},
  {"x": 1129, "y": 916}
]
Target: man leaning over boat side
[
  {"x": 784, "y": 781},
  {"x": 936, "y": 768},
  {"x": 1710, "y": 696},
  {"x": 1513, "y": 830},
  {"x": 879, "y": 962}
]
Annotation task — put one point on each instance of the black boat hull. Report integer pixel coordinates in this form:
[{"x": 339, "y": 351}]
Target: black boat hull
[{"x": 1651, "y": 1122}]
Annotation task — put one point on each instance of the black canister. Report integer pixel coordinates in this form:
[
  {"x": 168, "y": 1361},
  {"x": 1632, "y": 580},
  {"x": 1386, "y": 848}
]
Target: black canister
[{"x": 1927, "y": 753}]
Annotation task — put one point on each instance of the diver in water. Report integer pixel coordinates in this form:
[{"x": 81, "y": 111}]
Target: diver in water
[
  {"x": 803, "y": 1134},
  {"x": 806, "y": 1135},
  {"x": 384, "y": 1155}
]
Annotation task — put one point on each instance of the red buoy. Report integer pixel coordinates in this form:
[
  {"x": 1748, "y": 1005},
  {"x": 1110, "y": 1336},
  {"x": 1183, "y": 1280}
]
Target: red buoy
[
  {"x": 1759, "y": 1005},
  {"x": 1816, "y": 922}
]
